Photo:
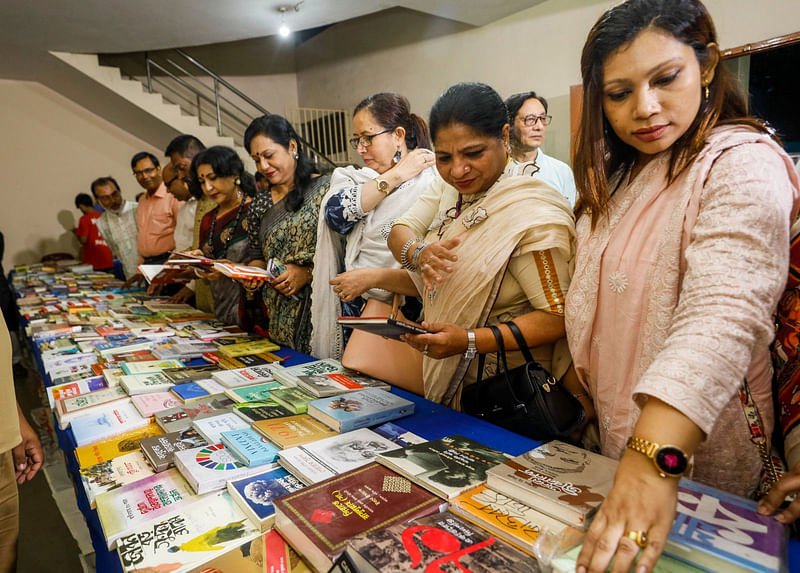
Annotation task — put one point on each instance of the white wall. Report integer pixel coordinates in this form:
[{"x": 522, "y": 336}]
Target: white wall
[
  {"x": 537, "y": 49},
  {"x": 50, "y": 151}
]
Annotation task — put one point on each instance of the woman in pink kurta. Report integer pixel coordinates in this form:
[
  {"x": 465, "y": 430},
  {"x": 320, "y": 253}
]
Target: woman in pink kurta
[{"x": 683, "y": 239}]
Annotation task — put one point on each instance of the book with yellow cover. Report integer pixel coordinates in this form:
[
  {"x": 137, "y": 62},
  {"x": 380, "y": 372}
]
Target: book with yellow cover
[
  {"x": 292, "y": 430},
  {"x": 115, "y": 446},
  {"x": 244, "y": 348},
  {"x": 513, "y": 521}
]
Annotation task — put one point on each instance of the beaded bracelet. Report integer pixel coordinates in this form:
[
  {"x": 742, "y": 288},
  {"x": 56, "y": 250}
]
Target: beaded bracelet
[
  {"x": 404, "y": 262},
  {"x": 417, "y": 252}
]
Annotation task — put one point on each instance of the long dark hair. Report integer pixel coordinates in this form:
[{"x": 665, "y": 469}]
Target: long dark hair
[
  {"x": 279, "y": 130},
  {"x": 473, "y": 104},
  {"x": 599, "y": 153},
  {"x": 391, "y": 111},
  {"x": 225, "y": 162}
]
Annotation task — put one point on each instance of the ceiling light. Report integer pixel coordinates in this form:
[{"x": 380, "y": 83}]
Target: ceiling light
[{"x": 284, "y": 30}]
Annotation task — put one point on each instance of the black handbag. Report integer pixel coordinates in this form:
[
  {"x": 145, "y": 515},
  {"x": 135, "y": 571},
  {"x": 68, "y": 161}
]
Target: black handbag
[{"x": 527, "y": 400}]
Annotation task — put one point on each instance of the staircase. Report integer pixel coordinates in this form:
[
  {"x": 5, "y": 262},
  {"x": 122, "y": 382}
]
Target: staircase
[{"x": 205, "y": 105}]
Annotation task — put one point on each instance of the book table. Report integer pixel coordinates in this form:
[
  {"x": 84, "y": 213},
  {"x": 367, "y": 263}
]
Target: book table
[{"x": 430, "y": 420}]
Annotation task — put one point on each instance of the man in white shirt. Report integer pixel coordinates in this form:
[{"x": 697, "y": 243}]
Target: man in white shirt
[
  {"x": 117, "y": 225},
  {"x": 528, "y": 117}
]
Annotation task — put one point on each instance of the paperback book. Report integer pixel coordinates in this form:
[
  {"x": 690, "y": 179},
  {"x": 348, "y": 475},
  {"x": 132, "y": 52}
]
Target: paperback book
[
  {"x": 719, "y": 531},
  {"x": 115, "y": 446},
  {"x": 109, "y": 420},
  {"x": 145, "y": 383},
  {"x": 180, "y": 418},
  {"x": 160, "y": 450},
  {"x": 248, "y": 376},
  {"x": 292, "y": 430},
  {"x": 250, "y": 447},
  {"x": 190, "y": 373},
  {"x": 149, "y": 404},
  {"x": 434, "y": 543},
  {"x": 211, "y": 428},
  {"x": 254, "y": 411},
  {"x": 252, "y": 393},
  {"x": 208, "y": 468},
  {"x": 448, "y": 466},
  {"x": 188, "y": 539},
  {"x": 323, "y": 385},
  {"x": 360, "y": 409},
  {"x": 384, "y": 326},
  {"x": 245, "y": 348},
  {"x": 318, "y": 520},
  {"x": 244, "y": 361},
  {"x": 124, "y": 510},
  {"x": 113, "y": 474},
  {"x": 293, "y": 399},
  {"x": 317, "y": 461},
  {"x": 290, "y": 376},
  {"x": 255, "y": 494},
  {"x": 150, "y": 366},
  {"x": 92, "y": 405},
  {"x": 189, "y": 392},
  {"x": 75, "y": 389},
  {"x": 515, "y": 523},
  {"x": 558, "y": 479}
]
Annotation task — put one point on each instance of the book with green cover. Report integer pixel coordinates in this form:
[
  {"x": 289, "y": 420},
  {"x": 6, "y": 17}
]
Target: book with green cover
[
  {"x": 252, "y": 393},
  {"x": 265, "y": 410},
  {"x": 293, "y": 399}
]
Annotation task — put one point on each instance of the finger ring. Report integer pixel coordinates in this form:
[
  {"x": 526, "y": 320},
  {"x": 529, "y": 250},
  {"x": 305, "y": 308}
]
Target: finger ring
[
  {"x": 425, "y": 350},
  {"x": 639, "y": 537}
]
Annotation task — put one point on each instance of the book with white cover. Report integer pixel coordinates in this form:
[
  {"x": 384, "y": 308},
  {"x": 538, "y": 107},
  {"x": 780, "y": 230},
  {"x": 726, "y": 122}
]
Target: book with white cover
[
  {"x": 108, "y": 421},
  {"x": 65, "y": 418},
  {"x": 289, "y": 375},
  {"x": 320, "y": 460},
  {"x": 130, "y": 507},
  {"x": 247, "y": 376},
  {"x": 208, "y": 468},
  {"x": 189, "y": 539},
  {"x": 211, "y": 428},
  {"x": 150, "y": 366},
  {"x": 145, "y": 383},
  {"x": 558, "y": 479}
]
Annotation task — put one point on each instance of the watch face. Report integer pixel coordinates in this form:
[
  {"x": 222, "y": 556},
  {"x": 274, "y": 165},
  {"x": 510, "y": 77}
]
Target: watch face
[{"x": 670, "y": 460}]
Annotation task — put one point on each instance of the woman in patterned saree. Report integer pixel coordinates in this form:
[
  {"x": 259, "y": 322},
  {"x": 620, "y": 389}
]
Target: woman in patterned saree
[
  {"x": 220, "y": 173},
  {"x": 287, "y": 230},
  {"x": 683, "y": 239},
  {"x": 485, "y": 244}
]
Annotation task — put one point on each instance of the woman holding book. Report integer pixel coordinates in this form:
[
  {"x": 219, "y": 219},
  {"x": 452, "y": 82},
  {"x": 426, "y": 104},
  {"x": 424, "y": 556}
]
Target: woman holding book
[
  {"x": 287, "y": 231},
  {"x": 360, "y": 206},
  {"x": 486, "y": 243},
  {"x": 219, "y": 172},
  {"x": 684, "y": 211}
]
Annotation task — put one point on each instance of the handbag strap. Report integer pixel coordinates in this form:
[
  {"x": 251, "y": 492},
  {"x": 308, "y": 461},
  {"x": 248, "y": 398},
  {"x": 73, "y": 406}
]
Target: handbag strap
[
  {"x": 502, "y": 364},
  {"x": 395, "y": 306},
  {"x": 521, "y": 342},
  {"x": 757, "y": 434}
]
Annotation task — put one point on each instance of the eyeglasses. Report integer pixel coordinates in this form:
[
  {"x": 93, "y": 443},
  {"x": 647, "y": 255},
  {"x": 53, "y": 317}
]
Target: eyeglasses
[
  {"x": 531, "y": 120},
  {"x": 145, "y": 171},
  {"x": 114, "y": 194},
  {"x": 365, "y": 140}
]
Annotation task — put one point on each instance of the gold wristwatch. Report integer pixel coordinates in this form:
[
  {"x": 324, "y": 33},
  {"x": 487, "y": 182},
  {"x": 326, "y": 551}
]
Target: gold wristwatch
[
  {"x": 383, "y": 185},
  {"x": 670, "y": 461}
]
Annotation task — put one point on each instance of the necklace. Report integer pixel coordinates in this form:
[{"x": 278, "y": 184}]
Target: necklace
[{"x": 208, "y": 247}]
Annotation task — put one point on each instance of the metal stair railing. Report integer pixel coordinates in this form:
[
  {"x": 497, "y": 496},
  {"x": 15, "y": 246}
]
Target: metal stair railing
[{"x": 180, "y": 86}]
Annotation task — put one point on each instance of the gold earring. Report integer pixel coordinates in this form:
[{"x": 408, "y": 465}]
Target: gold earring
[
  {"x": 238, "y": 181},
  {"x": 707, "y": 92}
]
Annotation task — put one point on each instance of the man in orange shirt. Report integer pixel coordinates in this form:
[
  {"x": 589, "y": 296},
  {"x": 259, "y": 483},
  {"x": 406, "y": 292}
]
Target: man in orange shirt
[{"x": 157, "y": 212}]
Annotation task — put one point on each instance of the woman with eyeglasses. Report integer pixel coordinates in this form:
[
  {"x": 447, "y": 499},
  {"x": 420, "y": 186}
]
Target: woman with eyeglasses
[
  {"x": 360, "y": 207},
  {"x": 219, "y": 172},
  {"x": 287, "y": 227},
  {"x": 486, "y": 244},
  {"x": 527, "y": 115}
]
